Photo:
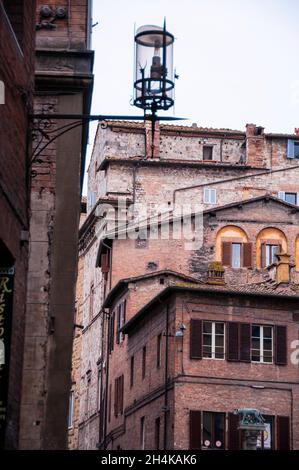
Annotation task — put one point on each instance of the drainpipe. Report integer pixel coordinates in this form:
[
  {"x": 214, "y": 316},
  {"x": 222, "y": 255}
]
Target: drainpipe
[
  {"x": 107, "y": 387},
  {"x": 166, "y": 380},
  {"x": 102, "y": 373}
]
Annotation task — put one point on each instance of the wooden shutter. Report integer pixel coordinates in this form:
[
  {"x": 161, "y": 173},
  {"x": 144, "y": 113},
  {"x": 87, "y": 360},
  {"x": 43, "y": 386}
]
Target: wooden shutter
[
  {"x": 195, "y": 430},
  {"x": 116, "y": 397},
  {"x": 105, "y": 263},
  {"x": 283, "y": 433},
  {"x": 112, "y": 330},
  {"x": 233, "y": 341},
  {"x": 280, "y": 345},
  {"x": 121, "y": 404},
  {"x": 263, "y": 254},
  {"x": 196, "y": 339},
  {"x": 226, "y": 253},
  {"x": 234, "y": 434},
  {"x": 247, "y": 255},
  {"x": 291, "y": 149},
  {"x": 245, "y": 342},
  {"x": 118, "y": 323}
]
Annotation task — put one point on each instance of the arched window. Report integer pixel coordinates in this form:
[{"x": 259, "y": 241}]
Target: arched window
[
  {"x": 269, "y": 242},
  {"x": 233, "y": 248}
]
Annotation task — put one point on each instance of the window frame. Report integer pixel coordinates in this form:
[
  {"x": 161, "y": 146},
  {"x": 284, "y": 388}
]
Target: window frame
[
  {"x": 261, "y": 345},
  {"x": 142, "y": 433},
  {"x": 213, "y": 340},
  {"x": 213, "y": 415},
  {"x": 143, "y": 368},
  {"x": 159, "y": 351},
  {"x": 70, "y": 422},
  {"x": 210, "y": 196},
  {"x": 210, "y": 148}
]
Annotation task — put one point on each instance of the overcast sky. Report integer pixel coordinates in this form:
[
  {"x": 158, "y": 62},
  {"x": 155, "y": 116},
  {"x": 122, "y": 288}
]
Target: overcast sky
[{"x": 237, "y": 60}]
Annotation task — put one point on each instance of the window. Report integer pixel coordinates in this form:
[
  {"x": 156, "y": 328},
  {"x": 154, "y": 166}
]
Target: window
[
  {"x": 119, "y": 396},
  {"x": 293, "y": 149},
  {"x": 207, "y": 152},
  {"x": 132, "y": 372},
  {"x": 121, "y": 319},
  {"x": 213, "y": 430},
  {"x": 91, "y": 301},
  {"x": 270, "y": 252},
  {"x": 142, "y": 433},
  {"x": 87, "y": 398},
  {"x": 143, "y": 362},
  {"x": 265, "y": 439},
  {"x": 99, "y": 391},
  {"x": 291, "y": 198},
  {"x": 236, "y": 255},
  {"x": 110, "y": 403},
  {"x": 159, "y": 350},
  {"x": 71, "y": 410},
  {"x": 111, "y": 327},
  {"x": 262, "y": 343},
  {"x": 157, "y": 433},
  {"x": 209, "y": 196},
  {"x": 213, "y": 340},
  {"x": 15, "y": 13}
]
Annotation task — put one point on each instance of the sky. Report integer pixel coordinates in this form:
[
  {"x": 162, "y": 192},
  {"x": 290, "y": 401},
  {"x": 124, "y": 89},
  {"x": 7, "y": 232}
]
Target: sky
[{"x": 236, "y": 60}]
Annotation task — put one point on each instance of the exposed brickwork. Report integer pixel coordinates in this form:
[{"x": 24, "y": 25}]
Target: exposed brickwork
[
  {"x": 55, "y": 209},
  {"x": 246, "y": 169},
  {"x": 17, "y": 75}
]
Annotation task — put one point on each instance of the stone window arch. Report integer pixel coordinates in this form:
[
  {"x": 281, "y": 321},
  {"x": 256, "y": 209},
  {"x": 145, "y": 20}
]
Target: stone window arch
[
  {"x": 233, "y": 247},
  {"x": 269, "y": 241}
]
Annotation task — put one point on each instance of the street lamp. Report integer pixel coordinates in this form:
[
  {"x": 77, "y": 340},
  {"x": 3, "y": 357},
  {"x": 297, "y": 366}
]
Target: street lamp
[{"x": 154, "y": 77}]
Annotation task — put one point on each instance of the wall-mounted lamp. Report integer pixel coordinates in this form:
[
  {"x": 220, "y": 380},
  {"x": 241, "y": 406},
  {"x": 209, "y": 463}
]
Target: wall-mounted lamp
[{"x": 180, "y": 331}]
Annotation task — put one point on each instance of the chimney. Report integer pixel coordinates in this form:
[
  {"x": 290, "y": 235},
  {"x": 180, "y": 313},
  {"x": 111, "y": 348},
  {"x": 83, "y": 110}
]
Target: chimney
[
  {"x": 216, "y": 274},
  {"x": 283, "y": 268},
  {"x": 297, "y": 130},
  {"x": 152, "y": 147},
  {"x": 255, "y": 146}
]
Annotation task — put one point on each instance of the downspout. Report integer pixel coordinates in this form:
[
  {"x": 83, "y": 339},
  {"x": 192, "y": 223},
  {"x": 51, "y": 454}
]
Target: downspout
[
  {"x": 166, "y": 380},
  {"x": 102, "y": 370},
  {"x": 107, "y": 387}
]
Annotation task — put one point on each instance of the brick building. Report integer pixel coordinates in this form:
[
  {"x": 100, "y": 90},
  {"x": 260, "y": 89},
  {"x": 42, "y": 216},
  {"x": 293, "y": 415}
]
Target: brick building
[
  {"x": 16, "y": 99},
  {"x": 63, "y": 85},
  {"x": 234, "y": 295}
]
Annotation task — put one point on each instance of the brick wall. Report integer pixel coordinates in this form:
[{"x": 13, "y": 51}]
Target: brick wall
[{"x": 17, "y": 75}]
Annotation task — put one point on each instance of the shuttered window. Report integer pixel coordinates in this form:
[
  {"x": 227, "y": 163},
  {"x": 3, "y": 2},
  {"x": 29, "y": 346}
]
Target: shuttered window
[
  {"x": 196, "y": 339},
  {"x": 280, "y": 332},
  {"x": 245, "y": 330},
  {"x": 233, "y": 341},
  {"x": 105, "y": 263},
  {"x": 237, "y": 255},
  {"x": 234, "y": 434},
  {"x": 195, "y": 430},
  {"x": 118, "y": 395},
  {"x": 121, "y": 319},
  {"x": 283, "y": 433},
  {"x": 111, "y": 325}
]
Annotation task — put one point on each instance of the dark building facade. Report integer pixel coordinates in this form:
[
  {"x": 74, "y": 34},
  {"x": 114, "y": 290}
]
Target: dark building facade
[
  {"x": 17, "y": 33},
  {"x": 63, "y": 85}
]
